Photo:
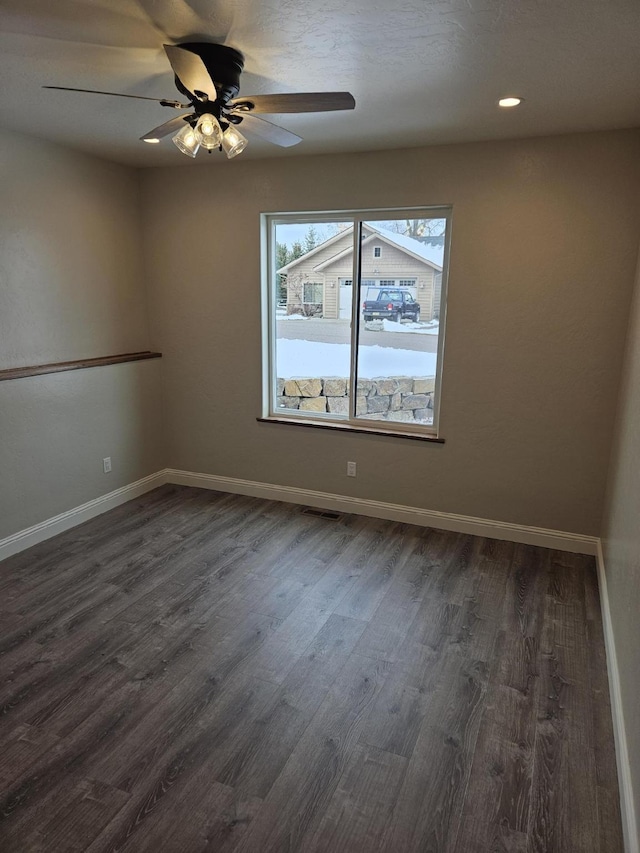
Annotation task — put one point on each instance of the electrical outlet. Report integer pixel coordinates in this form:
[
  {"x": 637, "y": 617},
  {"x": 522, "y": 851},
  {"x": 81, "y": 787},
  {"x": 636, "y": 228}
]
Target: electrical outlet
[
  {"x": 106, "y": 464},
  {"x": 351, "y": 469}
]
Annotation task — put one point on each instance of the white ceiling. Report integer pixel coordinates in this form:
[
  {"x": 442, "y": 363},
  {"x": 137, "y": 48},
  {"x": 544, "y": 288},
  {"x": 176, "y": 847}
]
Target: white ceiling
[{"x": 421, "y": 71}]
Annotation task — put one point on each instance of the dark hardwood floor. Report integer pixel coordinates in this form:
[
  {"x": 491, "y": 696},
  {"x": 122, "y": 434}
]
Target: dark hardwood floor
[{"x": 201, "y": 671}]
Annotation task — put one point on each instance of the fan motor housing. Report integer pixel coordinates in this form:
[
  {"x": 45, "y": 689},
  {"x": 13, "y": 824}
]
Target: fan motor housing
[{"x": 224, "y": 65}]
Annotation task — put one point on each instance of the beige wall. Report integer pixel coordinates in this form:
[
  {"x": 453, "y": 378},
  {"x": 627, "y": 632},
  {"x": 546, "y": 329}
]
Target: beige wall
[
  {"x": 621, "y": 542},
  {"x": 541, "y": 228},
  {"x": 70, "y": 287}
]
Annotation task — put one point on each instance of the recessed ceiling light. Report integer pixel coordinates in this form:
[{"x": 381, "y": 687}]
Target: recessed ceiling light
[
  {"x": 152, "y": 140},
  {"x": 509, "y": 102}
]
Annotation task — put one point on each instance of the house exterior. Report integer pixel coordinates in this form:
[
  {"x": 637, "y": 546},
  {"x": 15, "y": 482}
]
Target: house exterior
[{"x": 319, "y": 283}]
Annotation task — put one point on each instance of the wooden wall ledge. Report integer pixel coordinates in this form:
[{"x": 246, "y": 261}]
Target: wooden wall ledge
[{"x": 80, "y": 364}]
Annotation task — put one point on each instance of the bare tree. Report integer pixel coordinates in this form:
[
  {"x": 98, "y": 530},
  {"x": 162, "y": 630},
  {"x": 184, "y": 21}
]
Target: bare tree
[
  {"x": 296, "y": 303},
  {"x": 418, "y": 228}
]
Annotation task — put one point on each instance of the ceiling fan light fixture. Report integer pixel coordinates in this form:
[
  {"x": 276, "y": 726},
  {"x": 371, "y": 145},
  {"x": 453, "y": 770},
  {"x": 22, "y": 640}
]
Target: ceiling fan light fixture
[
  {"x": 187, "y": 141},
  {"x": 233, "y": 142},
  {"x": 208, "y": 75},
  {"x": 208, "y": 131}
]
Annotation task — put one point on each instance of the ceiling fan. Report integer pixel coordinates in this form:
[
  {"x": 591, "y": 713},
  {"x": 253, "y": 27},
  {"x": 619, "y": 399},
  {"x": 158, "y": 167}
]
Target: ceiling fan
[{"x": 208, "y": 75}]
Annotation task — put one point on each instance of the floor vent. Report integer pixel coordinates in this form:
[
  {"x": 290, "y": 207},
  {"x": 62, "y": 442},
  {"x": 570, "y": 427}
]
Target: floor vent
[{"x": 322, "y": 513}]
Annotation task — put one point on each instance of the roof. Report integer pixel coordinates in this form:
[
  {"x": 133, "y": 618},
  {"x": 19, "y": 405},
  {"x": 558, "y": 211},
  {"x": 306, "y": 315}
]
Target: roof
[
  {"x": 317, "y": 249},
  {"x": 432, "y": 255}
]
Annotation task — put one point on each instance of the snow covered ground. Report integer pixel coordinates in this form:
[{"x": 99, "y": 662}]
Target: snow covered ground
[
  {"x": 430, "y": 328},
  {"x": 312, "y": 359}
]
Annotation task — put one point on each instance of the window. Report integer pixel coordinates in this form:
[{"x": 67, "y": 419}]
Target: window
[
  {"x": 389, "y": 296},
  {"x": 369, "y": 353},
  {"x": 312, "y": 292},
  {"x": 377, "y": 251}
]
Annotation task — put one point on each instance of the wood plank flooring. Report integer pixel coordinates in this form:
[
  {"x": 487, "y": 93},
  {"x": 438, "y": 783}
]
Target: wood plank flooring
[{"x": 197, "y": 671}]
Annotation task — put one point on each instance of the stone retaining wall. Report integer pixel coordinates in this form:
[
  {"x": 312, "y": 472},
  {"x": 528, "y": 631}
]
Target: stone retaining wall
[{"x": 390, "y": 398}]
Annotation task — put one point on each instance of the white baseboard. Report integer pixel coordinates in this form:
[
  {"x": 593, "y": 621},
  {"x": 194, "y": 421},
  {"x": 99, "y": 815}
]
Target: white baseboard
[
  {"x": 629, "y": 824},
  {"x": 573, "y": 542},
  {"x": 360, "y": 506},
  {"x": 24, "y": 539}
]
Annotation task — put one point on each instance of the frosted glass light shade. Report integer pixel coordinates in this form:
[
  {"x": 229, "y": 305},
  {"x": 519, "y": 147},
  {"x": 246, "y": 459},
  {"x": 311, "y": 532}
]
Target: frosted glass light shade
[
  {"x": 187, "y": 141},
  {"x": 233, "y": 142},
  {"x": 208, "y": 131}
]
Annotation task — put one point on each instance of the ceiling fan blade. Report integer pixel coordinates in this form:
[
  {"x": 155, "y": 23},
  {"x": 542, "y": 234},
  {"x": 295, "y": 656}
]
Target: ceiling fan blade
[
  {"x": 297, "y": 102},
  {"x": 190, "y": 70},
  {"x": 172, "y": 126},
  {"x": 163, "y": 101},
  {"x": 267, "y": 130}
]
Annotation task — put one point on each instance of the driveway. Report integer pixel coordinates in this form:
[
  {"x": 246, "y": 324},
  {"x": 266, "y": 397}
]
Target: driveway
[{"x": 337, "y": 332}]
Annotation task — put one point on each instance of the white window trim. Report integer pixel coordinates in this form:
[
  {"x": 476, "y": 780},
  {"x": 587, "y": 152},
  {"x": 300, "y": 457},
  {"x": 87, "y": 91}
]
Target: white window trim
[{"x": 328, "y": 420}]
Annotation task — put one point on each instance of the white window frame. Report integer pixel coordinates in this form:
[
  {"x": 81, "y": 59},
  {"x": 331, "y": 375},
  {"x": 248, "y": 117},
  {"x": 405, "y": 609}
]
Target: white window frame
[{"x": 271, "y": 412}]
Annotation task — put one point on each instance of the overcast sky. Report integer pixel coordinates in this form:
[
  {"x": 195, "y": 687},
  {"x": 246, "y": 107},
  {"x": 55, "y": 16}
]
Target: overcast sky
[
  {"x": 296, "y": 232},
  {"x": 290, "y": 232}
]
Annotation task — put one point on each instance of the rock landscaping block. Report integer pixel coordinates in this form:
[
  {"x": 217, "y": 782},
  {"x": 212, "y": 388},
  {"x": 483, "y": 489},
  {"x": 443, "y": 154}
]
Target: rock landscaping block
[
  {"x": 405, "y": 384},
  {"x": 415, "y": 401},
  {"x": 363, "y": 386},
  {"x": 401, "y": 416},
  {"x": 396, "y": 402},
  {"x": 303, "y": 387},
  {"x": 378, "y": 404},
  {"x": 424, "y": 385},
  {"x": 334, "y": 387},
  {"x": 339, "y": 405},
  {"x": 386, "y": 386},
  {"x": 397, "y": 398},
  {"x": 313, "y": 404},
  {"x": 288, "y": 402}
]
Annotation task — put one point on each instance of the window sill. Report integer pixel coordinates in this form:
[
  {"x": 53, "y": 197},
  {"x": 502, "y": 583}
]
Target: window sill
[{"x": 350, "y": 427}]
